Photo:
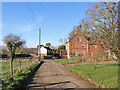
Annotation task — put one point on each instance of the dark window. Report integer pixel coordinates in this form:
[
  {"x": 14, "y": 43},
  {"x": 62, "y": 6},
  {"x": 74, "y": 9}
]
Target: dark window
[
  {"x": 95, "y": 46},
  {"x": 83, "y": 46},
  {"x": 75, "y": 53},
  {"x": 91, "y": 53},
  {"x": 79, "y": 40}
]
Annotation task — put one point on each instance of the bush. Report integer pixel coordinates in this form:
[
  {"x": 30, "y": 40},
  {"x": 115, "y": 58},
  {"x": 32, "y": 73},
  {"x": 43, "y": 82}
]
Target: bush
[{"x": 60, "y": 48}]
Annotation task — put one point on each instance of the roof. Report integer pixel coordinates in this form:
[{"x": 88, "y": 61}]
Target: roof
[
  {"x": 97, "y": 43},
  {"x": 74, "y": 36},
  {"x": 47, "y": 48}
]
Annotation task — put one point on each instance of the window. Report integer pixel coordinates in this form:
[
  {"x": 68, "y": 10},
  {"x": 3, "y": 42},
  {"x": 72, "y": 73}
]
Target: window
[
  {"x": 95, "y": 46},
  {"x": 83, "y": 46},
  {"x": 83, "y": 52},
  {"x": 79, "y": 40},
  {"x": 106, "y": 51},
  {"x": 91, "y": 53},
  {"x": 75, "y": 53}
]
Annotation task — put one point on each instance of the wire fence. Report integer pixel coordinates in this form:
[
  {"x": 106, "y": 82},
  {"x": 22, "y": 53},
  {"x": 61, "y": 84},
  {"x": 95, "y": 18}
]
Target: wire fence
[
  {"x": 84, "y": 58},
  {"x": 19, "y": 64}
]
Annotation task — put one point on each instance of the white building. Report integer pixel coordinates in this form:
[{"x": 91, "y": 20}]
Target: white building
[{"x": 45, "y": 51}]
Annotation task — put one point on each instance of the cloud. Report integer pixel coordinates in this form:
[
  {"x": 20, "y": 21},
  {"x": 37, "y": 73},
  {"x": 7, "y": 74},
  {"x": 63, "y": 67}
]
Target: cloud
[
  {"x": 29, "y": 26},
  {"x": 23, "y": 27}
]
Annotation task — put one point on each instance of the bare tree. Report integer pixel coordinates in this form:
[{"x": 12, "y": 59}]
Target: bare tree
[
  {"x": 101, "y": 24},
  {"x": 12, "y": 42},
  {"x": 62, "y": 41},
  {"x": 76, "y": 29},
  {"x": 102, "y": 19}
]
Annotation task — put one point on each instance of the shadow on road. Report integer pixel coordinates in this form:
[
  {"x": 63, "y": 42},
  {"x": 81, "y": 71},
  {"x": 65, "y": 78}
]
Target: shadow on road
[
  {"x": 52, "y": 75},
  {"x": 49, "y": 75},
  {"x": 32, "y": 75},
  {"x": 46, "y": 84}
]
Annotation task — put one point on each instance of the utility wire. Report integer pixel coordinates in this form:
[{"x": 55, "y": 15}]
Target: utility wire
[{"x": 28, "y": 5}]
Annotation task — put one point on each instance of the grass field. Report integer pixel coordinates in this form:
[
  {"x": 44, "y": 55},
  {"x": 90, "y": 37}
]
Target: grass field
[{"x": 103, "y": 74}]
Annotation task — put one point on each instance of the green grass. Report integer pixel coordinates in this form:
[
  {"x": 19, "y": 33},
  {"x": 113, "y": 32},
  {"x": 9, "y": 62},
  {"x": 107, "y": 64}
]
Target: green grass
[
  {"x": 104, "y": 74},
  {"x": 71, "y": 61},
  {"x": 65, "y": 61},
  {"x": 19, "y": 77},
  {"x": 5, "y": 66}
]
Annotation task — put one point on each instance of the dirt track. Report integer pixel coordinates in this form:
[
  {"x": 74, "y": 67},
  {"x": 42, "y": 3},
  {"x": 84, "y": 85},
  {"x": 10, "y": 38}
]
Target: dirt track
[{"x": 53, "y": 75}]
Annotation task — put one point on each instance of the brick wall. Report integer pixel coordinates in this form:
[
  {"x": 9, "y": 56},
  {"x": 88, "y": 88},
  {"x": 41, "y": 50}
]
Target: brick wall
[{"x": 76, "y": 45}]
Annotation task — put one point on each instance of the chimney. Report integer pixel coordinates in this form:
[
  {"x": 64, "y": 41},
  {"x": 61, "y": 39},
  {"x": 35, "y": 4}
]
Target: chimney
[
  {"x": 75, "y": 31},
  {"x": 67, "y": 40}
]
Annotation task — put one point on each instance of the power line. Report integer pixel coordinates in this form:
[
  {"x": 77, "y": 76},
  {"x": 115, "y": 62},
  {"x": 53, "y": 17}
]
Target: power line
[{"x": 28, "y": 5}]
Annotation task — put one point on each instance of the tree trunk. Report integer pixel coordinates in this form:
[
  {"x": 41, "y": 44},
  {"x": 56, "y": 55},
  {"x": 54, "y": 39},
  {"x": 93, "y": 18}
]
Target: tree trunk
[
  {"x": 109, "y": 54},
  {"x": 11, "y": 69},
  {"x": 118, "y": 53},
  {"x": 20, "y": 65}
]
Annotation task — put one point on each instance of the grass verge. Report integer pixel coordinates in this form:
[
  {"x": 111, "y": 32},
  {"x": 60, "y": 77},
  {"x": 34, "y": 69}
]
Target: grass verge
[
  {"x": 65, "y": 61},
  {"x": 19, "y": 79},
  {"x": 103, "y": 74},
  {"x": 73, "y": 61}
]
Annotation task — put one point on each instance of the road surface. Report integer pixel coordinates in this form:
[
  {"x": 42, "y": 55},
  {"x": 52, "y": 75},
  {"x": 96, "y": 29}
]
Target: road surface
[{"x": 53, "y": 75}]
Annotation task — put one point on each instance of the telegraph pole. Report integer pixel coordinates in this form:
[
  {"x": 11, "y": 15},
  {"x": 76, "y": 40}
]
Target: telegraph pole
[{"x": 39, "y": 44}]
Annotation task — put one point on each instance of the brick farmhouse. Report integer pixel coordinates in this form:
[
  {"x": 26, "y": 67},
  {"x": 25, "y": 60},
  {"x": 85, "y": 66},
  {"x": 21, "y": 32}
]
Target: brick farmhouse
[{"x": 78, "y": 44}]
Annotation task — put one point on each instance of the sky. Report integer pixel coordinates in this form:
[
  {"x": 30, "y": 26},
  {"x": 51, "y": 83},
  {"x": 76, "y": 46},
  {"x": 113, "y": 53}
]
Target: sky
[{"x": 56, "y": 20}]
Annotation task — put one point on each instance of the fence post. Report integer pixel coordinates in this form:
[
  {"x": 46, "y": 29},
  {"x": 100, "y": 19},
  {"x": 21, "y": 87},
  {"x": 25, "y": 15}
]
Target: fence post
[
  {"x": 20, "y": 64},
  {"x": 29, "y": 61},
  {"x": 25, "y": 63}
]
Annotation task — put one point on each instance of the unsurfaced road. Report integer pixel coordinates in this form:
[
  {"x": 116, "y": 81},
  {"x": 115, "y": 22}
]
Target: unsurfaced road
[{"x": 53, "y": 75}]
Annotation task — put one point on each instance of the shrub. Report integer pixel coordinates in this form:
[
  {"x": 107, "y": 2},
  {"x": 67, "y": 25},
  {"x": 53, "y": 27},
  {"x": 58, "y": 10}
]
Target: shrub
[{"x": 60, "y": 48}]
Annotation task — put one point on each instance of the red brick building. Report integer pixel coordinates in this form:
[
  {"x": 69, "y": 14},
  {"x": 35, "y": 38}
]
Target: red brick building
[{"x": 79, "y": 45}]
